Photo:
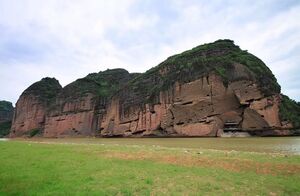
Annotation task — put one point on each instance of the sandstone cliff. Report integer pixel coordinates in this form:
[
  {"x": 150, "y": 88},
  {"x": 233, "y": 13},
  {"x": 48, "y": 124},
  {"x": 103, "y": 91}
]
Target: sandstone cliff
[
  {"x": 80, "y": 106},
  {"x": 31, "y": 108},
  {"x": 211, "y": 90}
]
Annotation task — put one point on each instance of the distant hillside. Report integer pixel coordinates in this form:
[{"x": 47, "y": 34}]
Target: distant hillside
[{"x": 6, "y": 114}]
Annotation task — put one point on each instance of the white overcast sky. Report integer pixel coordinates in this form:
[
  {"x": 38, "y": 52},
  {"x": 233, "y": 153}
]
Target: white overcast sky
[{"x": 67, "y": 39}]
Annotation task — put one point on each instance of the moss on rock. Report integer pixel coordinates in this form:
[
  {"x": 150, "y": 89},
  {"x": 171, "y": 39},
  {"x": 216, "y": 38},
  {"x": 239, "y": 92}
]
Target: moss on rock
[
  {"x": 103, "y": 84},
  {"x": 45, "y": 89},
  {"x": 219, "y": 56}
]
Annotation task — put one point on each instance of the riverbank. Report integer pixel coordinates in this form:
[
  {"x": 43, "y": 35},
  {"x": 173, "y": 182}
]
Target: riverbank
[{"x": 285, "y": 145}]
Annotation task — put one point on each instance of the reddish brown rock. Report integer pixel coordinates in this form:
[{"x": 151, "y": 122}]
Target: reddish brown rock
[
  {"x": 252, "y": 120},
  {"x": 211, "y": 90},
  {"x": 76, "y": 118},
  {"x": 268, "y": 108},
  {"x": 197, "y": 108},
  {"x": 30, "y": 113}
]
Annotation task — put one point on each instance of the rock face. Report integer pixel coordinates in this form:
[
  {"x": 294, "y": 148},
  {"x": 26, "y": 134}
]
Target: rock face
[
  {"x": 81, "y": 105},
  {"x": 207, "y": 91},
  {"x": 31, "y": 108}
]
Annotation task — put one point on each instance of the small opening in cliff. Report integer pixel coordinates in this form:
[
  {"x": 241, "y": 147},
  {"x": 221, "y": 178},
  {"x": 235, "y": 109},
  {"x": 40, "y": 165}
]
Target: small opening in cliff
[
  {"x": 139, "y": 132},
  {"x": 231, "y": 126},
  {"x": 180, "y": 123},
  {"x": 187, "y": 103},
  {"x": 75, "y": 130},
  {"x": 207, "y": 79}
]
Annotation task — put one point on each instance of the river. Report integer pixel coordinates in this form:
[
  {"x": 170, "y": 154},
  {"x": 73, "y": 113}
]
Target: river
[{"x": 251, "y": 144}]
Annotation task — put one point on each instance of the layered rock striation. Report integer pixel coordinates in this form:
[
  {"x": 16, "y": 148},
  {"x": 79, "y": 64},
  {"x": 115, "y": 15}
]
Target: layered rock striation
[
  {"x": 31, "y": 108},
  {"x": 211, "y": 90},
  {"x": 81, "y": 105}
]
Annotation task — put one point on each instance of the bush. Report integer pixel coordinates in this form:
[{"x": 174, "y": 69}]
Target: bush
[
  {"x": 45, "y": 89},
  {"x": 198, "y": 62},
  {"x": 289, "y": 110},
  {"x": 34, "y": 132}
]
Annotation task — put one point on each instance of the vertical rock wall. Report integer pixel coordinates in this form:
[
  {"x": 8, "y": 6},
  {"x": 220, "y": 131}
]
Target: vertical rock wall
[
  {"x": 29, "y": 114},
  {"x": 205, "y": 91}
]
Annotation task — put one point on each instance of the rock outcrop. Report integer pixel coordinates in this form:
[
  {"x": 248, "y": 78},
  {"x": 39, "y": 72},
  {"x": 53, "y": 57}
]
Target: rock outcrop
[
  {"x": 207, "y": 91},
  {"x": 80, "y": 106},
  {"x": 31, "y": 108}
]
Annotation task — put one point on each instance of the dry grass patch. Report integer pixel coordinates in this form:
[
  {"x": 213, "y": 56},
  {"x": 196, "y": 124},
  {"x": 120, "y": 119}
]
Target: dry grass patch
[{"x": 230, "y": 164}]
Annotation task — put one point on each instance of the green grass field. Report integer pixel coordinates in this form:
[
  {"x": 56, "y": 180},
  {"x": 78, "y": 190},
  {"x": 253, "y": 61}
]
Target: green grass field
[{"x": 62, "y": 168}]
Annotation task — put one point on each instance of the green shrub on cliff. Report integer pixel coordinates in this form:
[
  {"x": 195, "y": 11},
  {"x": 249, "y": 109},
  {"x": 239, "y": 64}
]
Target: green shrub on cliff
[
  {"x": 263, "y": 74},
  {"x": 290, "y": 111},
  {"x": 45, "y": 89},
  {"x": 102, "y": 84},
  {"x": 219, "y": 56},
  {"x": 34, "y": 132}
]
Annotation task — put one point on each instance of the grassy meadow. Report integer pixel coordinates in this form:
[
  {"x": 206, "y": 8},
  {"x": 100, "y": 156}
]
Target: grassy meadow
[{"x": 59, "y": 167}]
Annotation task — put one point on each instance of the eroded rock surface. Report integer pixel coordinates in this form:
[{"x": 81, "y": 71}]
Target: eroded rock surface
[
  {"x": 31, "y": 108},
  {"x": 205, "y": 91},
  {"x": 80, "y": 106}
]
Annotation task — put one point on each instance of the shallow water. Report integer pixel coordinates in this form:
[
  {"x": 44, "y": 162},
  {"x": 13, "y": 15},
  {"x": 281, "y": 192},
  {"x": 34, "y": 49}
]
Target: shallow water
[{"x": 251, "y": 144}]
